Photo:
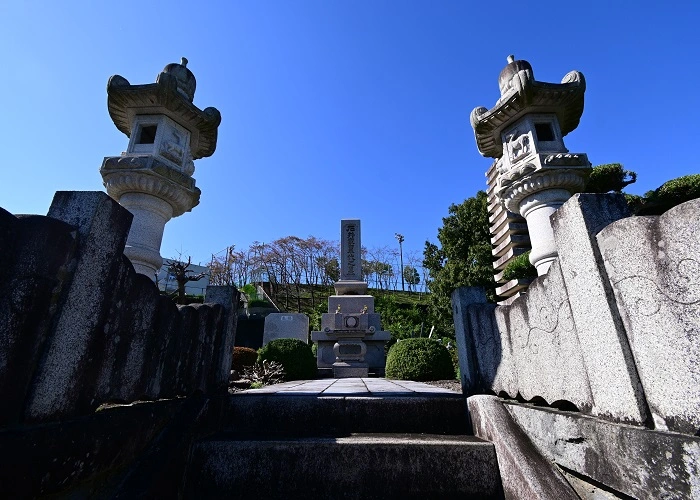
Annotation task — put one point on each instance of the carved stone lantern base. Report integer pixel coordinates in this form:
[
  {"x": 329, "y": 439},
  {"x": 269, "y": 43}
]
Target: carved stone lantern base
[
  {"x": 155, "y": 193},
  {"x": 536, "y": 197}
]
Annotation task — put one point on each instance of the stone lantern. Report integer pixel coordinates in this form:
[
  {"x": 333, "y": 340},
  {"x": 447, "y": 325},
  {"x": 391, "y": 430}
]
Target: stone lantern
[
  {"x": 153, "y": 178},
  {"x": 524, "y": 132}
]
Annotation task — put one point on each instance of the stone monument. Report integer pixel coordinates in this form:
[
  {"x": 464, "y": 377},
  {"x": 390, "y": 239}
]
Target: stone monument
[
  {"x": 153, "y": 178},
  {"x": 286, "y": 326},
  {"x": 524, "y": 132},
  {"x": 351, "y": 340}
]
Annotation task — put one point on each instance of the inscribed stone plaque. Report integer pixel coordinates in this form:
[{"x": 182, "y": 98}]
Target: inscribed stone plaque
[
  {"x": 286, "y": 326},
  {"x": 350, "y": 250}
]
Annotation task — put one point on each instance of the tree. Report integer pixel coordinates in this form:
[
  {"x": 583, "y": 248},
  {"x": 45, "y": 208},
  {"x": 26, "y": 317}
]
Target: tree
[
  {"x": 609, "y": 177},
  {"x": 411, "y": 276},
  {"x": 463, "y": 259},
  {"x": 183, "y": 275}
]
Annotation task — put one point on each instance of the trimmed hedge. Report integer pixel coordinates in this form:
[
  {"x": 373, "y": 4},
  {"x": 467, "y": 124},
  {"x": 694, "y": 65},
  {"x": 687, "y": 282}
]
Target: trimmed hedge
[
  {"x": 419, "y": 359},
  {"x": 295, "y": 356},
  {"x": 243, "y": 356},
  {"x": 670, "y": 194},
  {"x": 609, "y": 177}
]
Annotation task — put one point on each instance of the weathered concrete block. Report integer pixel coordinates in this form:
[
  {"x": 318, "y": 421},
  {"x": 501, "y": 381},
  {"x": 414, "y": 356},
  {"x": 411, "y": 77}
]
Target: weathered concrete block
[
  {"x": 128, "y": 350},
  {"x": 543, "y": 345},
  {"x": 209, "y": 319},
  {"x": 524, "y": 472},
  {"x": 494, "y": 352},
  {"x": 67, "y": 375},
  {"x": 38, "y": 261},
  {"x": 654, "y": 269},
  {"x": 228, "y": 297},
  {"x": 84, "y": 456},
  {"x": 637, "y": 462},
  {"x": 617, "y": 392},
  {"x": 184, "y": 357},
  {"x": 286, "y": 326},
  {"x": 465, "y": 334},
  {"x": 167, "y": 328}
]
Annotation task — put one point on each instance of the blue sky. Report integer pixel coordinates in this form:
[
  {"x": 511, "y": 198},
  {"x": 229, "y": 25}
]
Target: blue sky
[{"x": 337, "y": 109}]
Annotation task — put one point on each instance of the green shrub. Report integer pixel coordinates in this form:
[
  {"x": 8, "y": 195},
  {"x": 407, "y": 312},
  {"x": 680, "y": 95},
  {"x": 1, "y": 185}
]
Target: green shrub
[
  {"x": 419, "y": 359},
  {"x": 520, "y": 268},
  {"x": 609, "y": 177},
  {"x": 295, "y": 356},
  {"x": 451, "y": 345},
  {"x": 259, "y": 303},
  {"x": 670, "y": 194},
  {"x": 635, "y": 202},
  {"x": 243, "y": 356}
]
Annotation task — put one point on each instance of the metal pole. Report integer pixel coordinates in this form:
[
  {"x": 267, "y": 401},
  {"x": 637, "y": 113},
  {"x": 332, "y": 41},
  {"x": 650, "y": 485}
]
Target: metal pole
[{"x": 401, "y": 238}]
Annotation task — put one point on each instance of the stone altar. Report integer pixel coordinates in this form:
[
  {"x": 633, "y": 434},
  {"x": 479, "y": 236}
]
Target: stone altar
[{"x": 351, "y": 340}]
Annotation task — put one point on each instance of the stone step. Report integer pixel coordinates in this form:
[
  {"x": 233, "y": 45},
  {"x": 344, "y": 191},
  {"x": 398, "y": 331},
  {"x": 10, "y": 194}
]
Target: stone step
[
  {"x": 313, "y": 415},
  {"x": 359, "y": 466}
]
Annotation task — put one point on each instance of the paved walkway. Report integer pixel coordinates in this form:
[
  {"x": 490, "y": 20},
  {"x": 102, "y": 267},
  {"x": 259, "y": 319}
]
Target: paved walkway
[{"x": 352, "y": 386}]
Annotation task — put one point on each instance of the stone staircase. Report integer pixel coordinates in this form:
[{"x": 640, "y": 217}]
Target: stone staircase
[{"x": 346, "y": 438}]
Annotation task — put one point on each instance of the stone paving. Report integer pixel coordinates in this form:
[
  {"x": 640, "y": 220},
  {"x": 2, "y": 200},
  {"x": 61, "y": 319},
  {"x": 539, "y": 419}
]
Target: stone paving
[{"x": 352, "y": 386}]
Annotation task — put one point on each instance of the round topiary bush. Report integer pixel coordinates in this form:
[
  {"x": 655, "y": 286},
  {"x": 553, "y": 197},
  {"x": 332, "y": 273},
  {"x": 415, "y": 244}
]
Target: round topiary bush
[
  {"x": 419, "y": 359},
  {"x": 294, "y": 355},
  {"x": 243, "y": 356}
]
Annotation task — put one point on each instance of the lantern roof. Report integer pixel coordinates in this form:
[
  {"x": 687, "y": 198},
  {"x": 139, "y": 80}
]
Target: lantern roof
[
  {"x": 521, "y": 94},
  {"x": 172, "y": 95}
]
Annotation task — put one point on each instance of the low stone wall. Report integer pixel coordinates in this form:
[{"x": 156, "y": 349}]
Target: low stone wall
[
  {"x": 79, "y": 328},
  {"x": 610, "y": 331}
]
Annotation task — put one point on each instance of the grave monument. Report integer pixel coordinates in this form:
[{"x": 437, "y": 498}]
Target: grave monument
[
  {"x": 524, "y": 132},
  {"x": 153, "y": 178},
  {"x": 286, "y": 326},
  {"x": 351, "y": 340}
]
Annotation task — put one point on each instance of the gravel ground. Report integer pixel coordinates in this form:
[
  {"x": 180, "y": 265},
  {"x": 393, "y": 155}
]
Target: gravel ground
[{"x": 452, "y": 385}]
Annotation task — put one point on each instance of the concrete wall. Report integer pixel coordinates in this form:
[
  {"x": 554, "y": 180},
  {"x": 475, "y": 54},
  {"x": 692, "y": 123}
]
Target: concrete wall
[
  {"x": 611, "y": 331},
  {"x": 79, "y": 328}
]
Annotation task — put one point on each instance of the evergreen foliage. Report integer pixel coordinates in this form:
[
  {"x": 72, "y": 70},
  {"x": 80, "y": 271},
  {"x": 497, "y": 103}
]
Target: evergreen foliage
[
  {"x": 402, "y": 319},
  {"x": 670, "y": 194},
  {"x": 609, "y": 177},
  {"x": 520, "y": 268},
  {"x": 419, "y": 359},
  {"x": 463, "y": 259},
  {"x": 294, "y": 355}
]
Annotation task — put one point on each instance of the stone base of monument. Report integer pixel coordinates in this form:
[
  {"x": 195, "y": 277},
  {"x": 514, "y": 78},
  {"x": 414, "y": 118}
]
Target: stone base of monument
[
  {"x": 350, "y": 369},
  {"x": 374, "y": 354}
]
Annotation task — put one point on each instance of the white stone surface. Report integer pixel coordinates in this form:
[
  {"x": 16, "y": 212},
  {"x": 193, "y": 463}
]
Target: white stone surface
[
  {"x": 539, "y": 341},
  {"x": 616, "y": 388},
  {"x": 152, "y": 179},
  {"x": 350, "y": 250},
  {"x": 286, "y": 326},
  {"x": 654, "y": 269},
  {"x": 632, "y": 460},
  {"x": 143, "y": 244},
  {"x": 171, "y": 143}
]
